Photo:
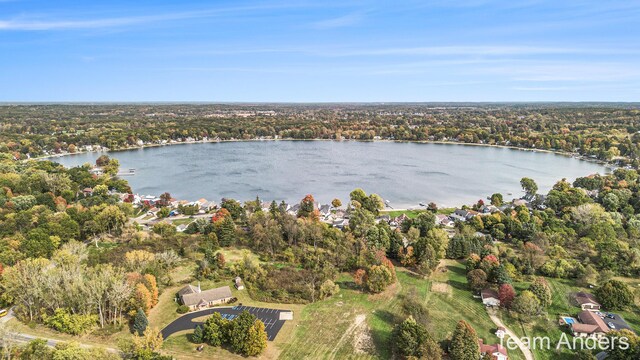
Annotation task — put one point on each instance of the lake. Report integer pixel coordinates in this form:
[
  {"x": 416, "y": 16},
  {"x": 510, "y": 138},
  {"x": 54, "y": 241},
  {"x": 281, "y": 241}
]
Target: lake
[{"x": 405, "y": 174}]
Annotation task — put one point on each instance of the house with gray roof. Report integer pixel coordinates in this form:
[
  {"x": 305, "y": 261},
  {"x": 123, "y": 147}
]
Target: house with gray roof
[{"x": 195, "y": 298}]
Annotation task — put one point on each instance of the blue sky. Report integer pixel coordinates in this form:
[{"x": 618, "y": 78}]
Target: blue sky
[{"x": 306, "y": 51}]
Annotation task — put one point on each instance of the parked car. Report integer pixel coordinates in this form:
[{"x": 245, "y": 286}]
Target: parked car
[
  {"x": 611, "y": 316},
  {"x": 611, "y": 325},
  {"x": 3, "y": 312}
]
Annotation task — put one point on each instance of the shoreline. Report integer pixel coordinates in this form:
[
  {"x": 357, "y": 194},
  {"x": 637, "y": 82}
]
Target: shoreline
[
  {"x": 608, "y": 167},
  {"x": 606, "y": 164}
]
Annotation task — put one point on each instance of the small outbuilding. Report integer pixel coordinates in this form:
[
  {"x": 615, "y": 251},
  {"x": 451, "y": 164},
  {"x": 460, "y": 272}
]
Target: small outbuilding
[{"x": 238, "y": 282}]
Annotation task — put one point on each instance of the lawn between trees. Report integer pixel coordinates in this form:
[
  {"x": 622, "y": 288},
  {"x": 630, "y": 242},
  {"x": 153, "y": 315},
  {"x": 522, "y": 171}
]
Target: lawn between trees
[
  {"x": 353, "y": 324},
  {"x": 546, "y": 325}
]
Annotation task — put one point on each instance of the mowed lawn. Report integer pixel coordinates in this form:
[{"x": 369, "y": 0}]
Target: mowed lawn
[
  {"x": 411, "y": 214},
  {"x": 179, "y": 346},
  {"x": 354, "y": 325},
  {"x": 547, "y": 325},
  {"x": 450, "y": 300}
]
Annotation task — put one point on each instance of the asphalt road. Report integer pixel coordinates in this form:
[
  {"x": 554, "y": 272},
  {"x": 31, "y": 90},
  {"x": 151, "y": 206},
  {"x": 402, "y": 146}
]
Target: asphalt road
[{"x": 270, "y": 318}]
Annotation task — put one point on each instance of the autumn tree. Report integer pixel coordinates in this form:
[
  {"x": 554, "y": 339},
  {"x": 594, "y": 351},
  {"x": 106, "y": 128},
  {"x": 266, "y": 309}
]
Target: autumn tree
[
  {"x": 506, "y": 294},
  {"x": 308, "y": 208},
  {"x": 256, "y": 340},
  {"x": 540, "y": 288},
  {"x": 477, "y": 279},
  {"x": 145, "y": 346},
  {"x": 526, "y": 305}
]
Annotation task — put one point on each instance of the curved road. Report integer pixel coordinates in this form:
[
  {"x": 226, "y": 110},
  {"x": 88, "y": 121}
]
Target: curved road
[
  {"x": 270, "y": 318},
  {"x": 525, "y": 350}
]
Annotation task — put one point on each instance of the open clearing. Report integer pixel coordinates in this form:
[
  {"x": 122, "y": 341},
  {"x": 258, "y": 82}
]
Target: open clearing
[
  {"x": 442, "y": 288},
  {"x": 353, "y": 325}
]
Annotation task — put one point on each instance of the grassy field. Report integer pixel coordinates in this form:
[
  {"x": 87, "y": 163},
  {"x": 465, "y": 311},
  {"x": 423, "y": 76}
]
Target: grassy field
[
  {"x": 179, "y": 346},
  {"x": 354, "y": 325},
  {"x": 96, "y": 339},
  {"x": 413, "y": 213},
  {"x": 181, "y": 221},
  {"x": 350, "y": 325}
]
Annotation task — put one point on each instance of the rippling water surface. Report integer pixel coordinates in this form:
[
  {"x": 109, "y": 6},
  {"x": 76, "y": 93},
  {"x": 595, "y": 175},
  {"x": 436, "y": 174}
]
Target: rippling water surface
[{"x": 403, "y": 173}]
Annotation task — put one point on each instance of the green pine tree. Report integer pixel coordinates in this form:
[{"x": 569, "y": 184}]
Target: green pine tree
[
  {"x": 227, "y": 232},
  {"x": 197, "y": 336},
  {"x": 140, "y": 322}
]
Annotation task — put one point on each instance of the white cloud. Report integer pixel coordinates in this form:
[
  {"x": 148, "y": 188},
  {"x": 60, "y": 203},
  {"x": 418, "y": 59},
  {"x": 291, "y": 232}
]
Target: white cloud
[
  {"x": 43, "y": 23},
  {"x": 339, "y": 22}
]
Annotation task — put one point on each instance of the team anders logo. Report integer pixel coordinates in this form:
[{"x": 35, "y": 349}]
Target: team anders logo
[{"x": 576, "y": 343}]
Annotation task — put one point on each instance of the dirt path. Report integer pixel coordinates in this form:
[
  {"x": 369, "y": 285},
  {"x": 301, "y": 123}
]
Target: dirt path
[
  {"x": 357, "y": 323},
  {"x": 525, "y": 350}
]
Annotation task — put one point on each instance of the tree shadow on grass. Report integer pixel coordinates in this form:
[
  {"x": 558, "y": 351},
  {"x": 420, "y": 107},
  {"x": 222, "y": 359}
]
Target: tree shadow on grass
[
  {"x": 381, "y": 338},
  {"x": 456, "y": 283},
  {"x": 349, "y": 285}
]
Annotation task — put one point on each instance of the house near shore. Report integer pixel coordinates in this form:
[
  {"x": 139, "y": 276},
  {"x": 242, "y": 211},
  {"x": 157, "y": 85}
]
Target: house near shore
[
  {"x": 340, "y": 223},
  {"x": 591, "y": 325},
  {"x": 520, "y": 202},
  {"x": 194, "y": 298},
  {"x": 490, "y": 297},
  {"x": 383, "y": 219},
  {"x": 459, "y": 215},
  {"x": 325, "y": 210},
  {"x": 397, "y": 221},
  {"x": 586, "y": 301},
  {"x": 96, "y": 171},
  {"x": 488, "y": 209},
  {"x": 294, "y": 209},
  {"x": 206, "y": 205},
  {"x": 463, "y": 215},
  {"x": 444, "y": 220},
  {"x": 493, "y": 352}
]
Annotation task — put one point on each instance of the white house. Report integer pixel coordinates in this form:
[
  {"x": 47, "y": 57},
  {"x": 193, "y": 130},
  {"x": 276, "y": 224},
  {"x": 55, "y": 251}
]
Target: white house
[{"x": 490, "y": 297}]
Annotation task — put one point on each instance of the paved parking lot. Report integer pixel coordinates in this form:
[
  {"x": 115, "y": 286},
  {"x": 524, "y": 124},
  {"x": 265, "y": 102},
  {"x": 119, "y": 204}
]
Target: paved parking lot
[{"x": 270, "y": 318}]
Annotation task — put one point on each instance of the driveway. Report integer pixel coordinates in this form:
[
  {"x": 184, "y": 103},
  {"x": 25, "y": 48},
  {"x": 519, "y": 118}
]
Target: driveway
[
  {"x": 270, "y": 318},
  {"x": 618, "y": 322},
  {"x": 525, "y": 350}
]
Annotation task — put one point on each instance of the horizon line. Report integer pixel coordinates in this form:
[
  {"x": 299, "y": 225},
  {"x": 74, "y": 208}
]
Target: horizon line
[{"x": 172, "y": 102}]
